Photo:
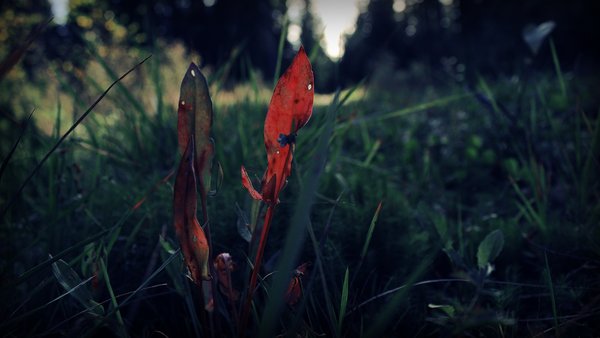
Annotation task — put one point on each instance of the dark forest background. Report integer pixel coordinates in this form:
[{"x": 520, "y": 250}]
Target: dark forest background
[{"x": 486, "y": 35}]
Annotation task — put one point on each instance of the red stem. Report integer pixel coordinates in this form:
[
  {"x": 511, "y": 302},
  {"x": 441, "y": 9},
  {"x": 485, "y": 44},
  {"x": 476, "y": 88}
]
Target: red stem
[
  {"x": 261, "y": 248},
  {"x": 256, "y": 269}
]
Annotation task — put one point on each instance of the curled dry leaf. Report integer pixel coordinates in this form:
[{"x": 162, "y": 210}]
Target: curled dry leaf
[
  {"x": 248, "y": 185},
  {"x": 289, "y": 110},
  {"x": 189, "y": 232},
  {"x": 194, "y": 118},
  {"x": 224, "y": 265},
  {"x": 294, "y": 290}
]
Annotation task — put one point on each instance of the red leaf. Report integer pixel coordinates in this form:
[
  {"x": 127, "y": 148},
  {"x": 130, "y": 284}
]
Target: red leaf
[
  {"x": 291, "y": 103},
  {"x": 289, "y": 110},
  {"x": 189, "y": 232}
]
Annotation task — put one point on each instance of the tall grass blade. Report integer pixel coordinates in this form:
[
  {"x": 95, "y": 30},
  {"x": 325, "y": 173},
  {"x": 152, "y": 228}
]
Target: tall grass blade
[
  {"x": 591, "y": 167},
  {"x": 65, "y": 135},
  {"x": 388, "y": 311},
  {"x": 150, "y": 278},
  {"x": 405, "y": 111},
  {"x": 158, "y": 90},
  {"x": 557, "y": 68},
  {"x": 528, "y": 207},
  {"x": 84, "y": 311},
  {"x": 113, "y": 75},
  {"x": 368, "y": 237},
  {"x": 404, "y": 286},
  {"x": 114, "y": 302},
  {"x": 372, "y": 153},
  {"x": 297, "y": 232},
  {"x": 15, "y": 55},
  {"x": 14, "y": 147},
  {"x": 282, "y": 38},
  {"x": 116, "y": 307},
  {"x": 552, "y": 294},
  {"x": 343, "y": 301},
  {"x": 72, "y": 283},
  {"x": 363, "y": 252},
  {"x": 329, "y": 311},
  {"x": 219, "y": 77},
  {"x": 27, "y": 274},
  {"x": 318, "y": 249},
  {"x": 92, "y": 308}
]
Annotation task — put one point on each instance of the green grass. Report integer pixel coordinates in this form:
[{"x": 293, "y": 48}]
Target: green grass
[{"x": 449, "y": 165}]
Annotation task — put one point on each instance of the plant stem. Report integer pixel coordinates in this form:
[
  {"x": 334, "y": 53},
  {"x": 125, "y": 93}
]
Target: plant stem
[
  {"x": 256, "y": 269},
  {"x": 207, "y": 290}
]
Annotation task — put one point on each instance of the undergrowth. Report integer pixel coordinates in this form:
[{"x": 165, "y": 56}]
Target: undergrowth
[{"x": 487, "y": 225}]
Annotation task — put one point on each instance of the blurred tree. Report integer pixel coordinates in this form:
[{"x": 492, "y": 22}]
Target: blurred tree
[
  {"x": 374, "y": 30},
  {"x": 486, "y": 35},
  {"x": 490, "y": 31},
  {"x": 326, "y": 79},
  {"x": 214, "y": 28},
  {"x": 309, "y": 36}
]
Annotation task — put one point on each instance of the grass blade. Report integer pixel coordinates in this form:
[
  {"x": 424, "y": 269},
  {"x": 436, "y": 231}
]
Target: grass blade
[
  {"x": 370, "y": 232},
  {"x": 14, "y": 147},
  {"x": 592, "y": 163},
  {"x": 117, "y": 307},
  {"x": 297, "y": 233},
  {"x": 114, "y": 302},
  {"x": 24, "y": 276},
  {"x": 65, "y": 135},
  {"x": 280, "y": 50},
  {"x": 552, "y": 294},
  {"x": 559, "y": 73},
  {"x": 391, "y": 307},
  {"x": 15, "y": 55},
  {"x": 363, "y": 252},
  {"x": 72, "y": 283},
  {"x": 92, "y": 308},
  {"x": 343, "y": 301},
  {"x": 405, "y": 111}
]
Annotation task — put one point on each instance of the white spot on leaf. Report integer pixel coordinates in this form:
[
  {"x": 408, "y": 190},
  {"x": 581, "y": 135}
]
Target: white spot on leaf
[
  {"x": 182, "y": 102},
  {"x": 309, "y": 86},
  {"x": 193, "y": 73}
]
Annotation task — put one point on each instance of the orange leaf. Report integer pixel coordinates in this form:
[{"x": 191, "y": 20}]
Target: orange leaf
[
  {"x": 289, "y": 110},
  {"x": 248, "y": 185},
  {"x": 194, "y": 117},
  {"x": 291, "y": 104},
  {"x": 294, "y": 290},
  {"x": 189, "y": 232},
  {"x": 224, "y": 265}
]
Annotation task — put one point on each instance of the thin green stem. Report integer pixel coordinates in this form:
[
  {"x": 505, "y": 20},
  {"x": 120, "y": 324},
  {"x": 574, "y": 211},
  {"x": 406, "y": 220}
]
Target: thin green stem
[{"x": 114, "y": 302}]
